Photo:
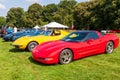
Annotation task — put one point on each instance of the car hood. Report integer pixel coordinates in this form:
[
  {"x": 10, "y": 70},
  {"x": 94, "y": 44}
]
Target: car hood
[
  {"x": 51, "y": 45},
  {"x": 51, "y": 48}
]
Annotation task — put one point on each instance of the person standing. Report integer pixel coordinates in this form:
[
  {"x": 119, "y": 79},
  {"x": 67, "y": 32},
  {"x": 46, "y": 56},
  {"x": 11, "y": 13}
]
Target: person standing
[
  {"x": 14, "y": 29},
  {"x": 9, "y": 30}
]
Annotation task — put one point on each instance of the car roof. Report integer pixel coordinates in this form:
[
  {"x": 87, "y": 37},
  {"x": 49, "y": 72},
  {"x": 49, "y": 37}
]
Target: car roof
[{"x": 85, "y": 31}]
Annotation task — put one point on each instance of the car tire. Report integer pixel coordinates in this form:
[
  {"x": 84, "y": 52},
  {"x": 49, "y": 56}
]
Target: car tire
[
  {"x": 109, "y": 47},
  {"x": 31, "y": 45},
  {"x": 66, "y": 56}
]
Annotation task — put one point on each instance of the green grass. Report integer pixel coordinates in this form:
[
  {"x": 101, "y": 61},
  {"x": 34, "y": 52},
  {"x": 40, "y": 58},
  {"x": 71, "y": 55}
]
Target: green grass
[{"x": 18, "y": 65}]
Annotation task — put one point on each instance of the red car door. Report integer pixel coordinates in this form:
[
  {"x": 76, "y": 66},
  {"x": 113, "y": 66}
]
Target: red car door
[{"x": 89, "y": 46}]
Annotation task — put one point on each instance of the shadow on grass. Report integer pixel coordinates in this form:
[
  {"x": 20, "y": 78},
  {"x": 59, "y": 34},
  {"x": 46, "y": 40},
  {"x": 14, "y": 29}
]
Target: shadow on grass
[
  {"x": 42, "y": 64},
  {"x": 38, "y": 63},
  {"x": 15, "y": 50},
  {"x": 6, "y": 41}
]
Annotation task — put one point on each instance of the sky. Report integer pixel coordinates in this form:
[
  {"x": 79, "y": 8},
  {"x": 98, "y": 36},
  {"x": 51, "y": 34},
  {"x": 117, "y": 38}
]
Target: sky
[{"x": 5, "y": 5}]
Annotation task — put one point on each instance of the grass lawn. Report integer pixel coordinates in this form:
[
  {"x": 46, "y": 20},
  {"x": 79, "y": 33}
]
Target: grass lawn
[{"x": 18, "y": 65}]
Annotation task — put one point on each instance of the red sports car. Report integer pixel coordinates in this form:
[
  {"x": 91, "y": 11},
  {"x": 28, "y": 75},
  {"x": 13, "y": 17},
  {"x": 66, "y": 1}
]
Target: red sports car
[{"x": 76, "y": 45}]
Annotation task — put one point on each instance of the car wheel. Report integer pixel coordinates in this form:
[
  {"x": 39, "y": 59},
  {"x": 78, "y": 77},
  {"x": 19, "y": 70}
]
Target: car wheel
[
  {"x": 109, "y": 47},
  {"x": 66, "y": 56},
  {"x": 32, "y": 45}
]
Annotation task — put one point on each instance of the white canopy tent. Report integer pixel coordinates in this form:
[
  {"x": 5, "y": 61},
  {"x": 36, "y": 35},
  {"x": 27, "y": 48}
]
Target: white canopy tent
[
  {"x": 55, "y": 25},
  {"x": 36, "y": 27}
]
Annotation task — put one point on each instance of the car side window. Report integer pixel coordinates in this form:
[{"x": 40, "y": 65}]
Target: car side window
[{"x": 91, "y": 35}]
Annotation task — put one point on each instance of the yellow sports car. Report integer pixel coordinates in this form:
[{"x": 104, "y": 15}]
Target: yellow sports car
[{"x": 29, "y": 42}]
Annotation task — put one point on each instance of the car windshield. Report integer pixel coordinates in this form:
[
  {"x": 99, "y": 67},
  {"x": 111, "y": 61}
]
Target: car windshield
[
  {"x": 75, "y": 36},
  {"x": 46, "y": 33}
]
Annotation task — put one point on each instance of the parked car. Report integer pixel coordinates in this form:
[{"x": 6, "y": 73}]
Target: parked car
[
  {"x": 115, "y": 31},
  {"x": 29, "y": 42},
  {"x": 76, "y": 45},
  {"x": 31, "y": 32},
  {"x": 105, "y": 31},
  {"x": 2, "y": 31},
  {"x": 8, "y": 37}
]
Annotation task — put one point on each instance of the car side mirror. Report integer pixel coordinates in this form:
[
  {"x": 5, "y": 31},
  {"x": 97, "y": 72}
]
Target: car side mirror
[{"x": 90, "y": 40}]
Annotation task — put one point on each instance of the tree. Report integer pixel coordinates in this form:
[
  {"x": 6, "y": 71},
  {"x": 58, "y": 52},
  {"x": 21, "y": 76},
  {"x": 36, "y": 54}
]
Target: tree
[
  {"x": 62, "y": 13},
  {"x": 2, "y": 21},
  {"x": 14, "y": 17},
  {"x": 33, "y": 15},
  {"x": 66, "y": 9},
  {"x": 82, "y": 14},
  {"x": 97, "y": 14},
  {"x": 48, "y": 12}
]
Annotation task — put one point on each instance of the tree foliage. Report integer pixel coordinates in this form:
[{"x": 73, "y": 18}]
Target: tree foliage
[
  {"x": 48, "y": 12},
  {"x": 14, "y": 17},
  {"x": 2, "y": 21},
  {"x": 93, "y": 14},
  {"x": 66, "y": 9},
  {"x": 33, "y": 15},
  {"x": 98, "y": 14}
]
